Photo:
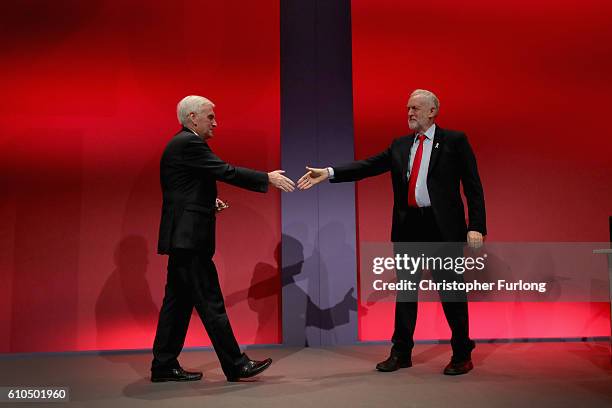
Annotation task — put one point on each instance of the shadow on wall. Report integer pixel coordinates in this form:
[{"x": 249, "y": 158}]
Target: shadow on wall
[
  {"x": 263, "y": 298},
  {"x": 299, "y": 309},
  {"x": 125, "y": 309}
]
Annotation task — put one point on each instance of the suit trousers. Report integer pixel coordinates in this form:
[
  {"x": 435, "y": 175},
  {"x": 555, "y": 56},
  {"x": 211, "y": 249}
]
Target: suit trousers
[
  {"x": 423, "y": 228},
  {"x": 193, "y": 282}
]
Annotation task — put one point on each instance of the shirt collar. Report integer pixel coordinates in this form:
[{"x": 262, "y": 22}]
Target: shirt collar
[
  {"x": 429, "y": 133},
  {"x": 191, "y": 130}
]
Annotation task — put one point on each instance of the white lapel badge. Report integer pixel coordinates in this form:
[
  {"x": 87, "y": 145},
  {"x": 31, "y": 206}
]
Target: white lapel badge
[{"x": 437, "y": 145}]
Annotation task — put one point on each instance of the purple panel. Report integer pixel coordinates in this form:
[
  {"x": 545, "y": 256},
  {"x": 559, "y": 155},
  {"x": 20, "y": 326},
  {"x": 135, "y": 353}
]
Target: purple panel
[{"x": 318, "y": 259}]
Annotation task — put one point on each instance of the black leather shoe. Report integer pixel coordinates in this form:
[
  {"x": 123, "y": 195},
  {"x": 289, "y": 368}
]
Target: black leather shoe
[
  {"x": 393, "y": 363},
  {"x": 250, "y": 369},
  {"x": 175, "y": 374},
  {"x": 458, "y": 367}
]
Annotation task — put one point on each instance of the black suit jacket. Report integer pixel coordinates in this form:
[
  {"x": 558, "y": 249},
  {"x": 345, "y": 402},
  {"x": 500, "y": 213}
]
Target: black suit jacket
[
  {"x": 452, "y": 162},
  {"x": 189, "y": 171}
]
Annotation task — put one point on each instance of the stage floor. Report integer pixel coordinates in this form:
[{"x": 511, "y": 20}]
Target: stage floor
[{"x": 559, "y": 374}]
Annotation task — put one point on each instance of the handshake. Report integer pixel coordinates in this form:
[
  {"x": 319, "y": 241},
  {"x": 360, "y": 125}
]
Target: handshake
[{"x": 313, "y": 177}]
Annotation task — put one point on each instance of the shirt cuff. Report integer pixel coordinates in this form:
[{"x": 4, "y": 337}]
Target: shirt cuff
[{"x": 330, "y": 172}]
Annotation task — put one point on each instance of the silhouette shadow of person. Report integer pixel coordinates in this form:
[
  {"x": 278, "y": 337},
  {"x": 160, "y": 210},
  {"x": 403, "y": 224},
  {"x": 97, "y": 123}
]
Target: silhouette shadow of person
[{"x": 299, "y": 310}]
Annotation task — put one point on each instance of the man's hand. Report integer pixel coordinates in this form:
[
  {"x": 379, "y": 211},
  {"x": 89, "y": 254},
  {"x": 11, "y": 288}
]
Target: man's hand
[
  {"x": 281, "y": 182},
  {"x": 220, "y": 205},
  {"x": 313, "y": 177},
  {"x": 474, "y": 239}
]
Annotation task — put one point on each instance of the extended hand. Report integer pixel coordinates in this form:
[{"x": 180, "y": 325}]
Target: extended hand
[
  {"x": 281, "y": 182},
  {"x": 313, "y": 177},
  {"x": 220, "y": 205},
  {"x": 474, "y": 239}
]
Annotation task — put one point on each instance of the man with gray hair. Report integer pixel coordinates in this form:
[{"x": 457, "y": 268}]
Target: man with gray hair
[
  {"x": 189, "y": 171},
  {"x": 427, "y": 169}
]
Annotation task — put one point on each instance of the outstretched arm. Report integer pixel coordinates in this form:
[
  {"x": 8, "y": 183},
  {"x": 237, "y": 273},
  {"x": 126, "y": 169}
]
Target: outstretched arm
[
  {"x": 357, "y": 170},
  {"x": 198, "y": 156}
]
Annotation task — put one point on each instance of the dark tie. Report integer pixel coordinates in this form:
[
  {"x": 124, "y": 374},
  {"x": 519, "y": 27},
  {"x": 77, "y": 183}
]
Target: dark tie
[{"x": 414, "y": 173}]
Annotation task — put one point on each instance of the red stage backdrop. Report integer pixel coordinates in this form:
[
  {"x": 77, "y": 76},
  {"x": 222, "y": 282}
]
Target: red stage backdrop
[
  {"x": 89, "y": 92},
  {"x": 530, "y": 83}
]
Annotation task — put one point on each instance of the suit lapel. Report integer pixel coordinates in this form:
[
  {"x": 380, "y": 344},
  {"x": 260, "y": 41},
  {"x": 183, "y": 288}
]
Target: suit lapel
[
  {"x": 405, "y": 155},
  {"x": 435, "y": 149}
]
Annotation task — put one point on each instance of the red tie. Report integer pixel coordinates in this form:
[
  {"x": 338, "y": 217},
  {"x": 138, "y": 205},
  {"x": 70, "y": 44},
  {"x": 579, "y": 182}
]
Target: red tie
[{"x": 414, "y": 173}]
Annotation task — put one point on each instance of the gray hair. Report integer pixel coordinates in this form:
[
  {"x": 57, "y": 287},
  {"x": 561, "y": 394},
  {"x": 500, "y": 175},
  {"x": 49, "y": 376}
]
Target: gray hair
[
  {"x": 430, "y": 95},
  {"x": 190, "y": 104}
]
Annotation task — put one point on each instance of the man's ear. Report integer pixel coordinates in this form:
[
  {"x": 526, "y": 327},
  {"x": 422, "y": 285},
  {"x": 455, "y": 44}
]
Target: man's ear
[{"x": 432, "y": 112}]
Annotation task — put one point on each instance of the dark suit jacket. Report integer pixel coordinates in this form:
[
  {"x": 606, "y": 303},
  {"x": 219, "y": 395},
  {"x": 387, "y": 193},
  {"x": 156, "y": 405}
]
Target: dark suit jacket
[
  {"x": 451, "y": 163},
  {"x": 189, "y": 171}
]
